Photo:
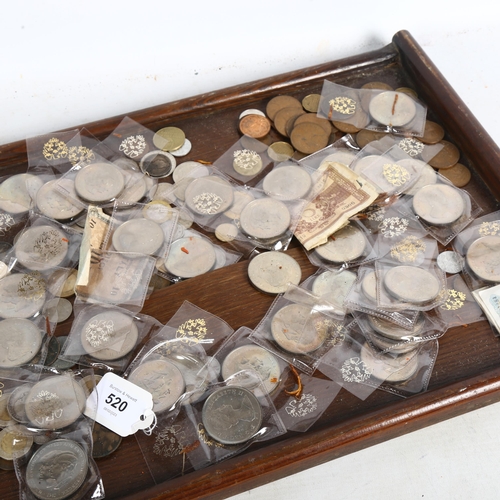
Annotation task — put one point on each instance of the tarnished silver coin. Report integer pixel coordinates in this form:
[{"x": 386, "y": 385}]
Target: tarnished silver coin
[
  {"x": 450, "y": 262},
  {"x": 17, "y": 403},
  {"x": 394, "y": 331},
  {"x": 392, "y": 108},
  {"x": 20, "y": 340},
  {"x": 105, "y": 441},
  {"x": 369, "y": 286},
  {"x": 158, "y": 164},
  {"x": 483, "y": 257},
  {"x": 140, "y": 235},
  {"x": 190, "y": 256},
  {"x": 294, "y": 332},
  {"x": 184, "y": 149},
  {"x": 58, "y": 310},
  {"x": 158, "y": 211},
  {"x": 18, "y": 192},
  {"x": 438, "y": 204},
  {"x": 21, "y": 295},
  {"x": 254, "y": 358},
  {"x": 334, "y": 287},
  {"x": 265, "y": 218},
  {"x": 162, "y": 379},
  {"x": 347, "y": 244},
  {"x": 57, "y": 469},
  {"x": 52, "y": 203},
  {"x": 41, "y": 247},
  {"x": 271, "y": 272},
  {"x": 15, "y": 442},
  {"x": 99, "y": 182},
  {"x": 232, "y": 415},
  {"x": 412, "y": 284},
  {"x": 209, "y": 195},
  {"x": 55, "y": 402},
  {"x": 288, "y": 182},
  {"x": 109, "y": 335}
]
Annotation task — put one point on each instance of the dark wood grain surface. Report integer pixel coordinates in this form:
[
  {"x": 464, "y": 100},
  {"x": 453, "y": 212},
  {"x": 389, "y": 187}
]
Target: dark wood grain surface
[{"x": 467, "y": 371}]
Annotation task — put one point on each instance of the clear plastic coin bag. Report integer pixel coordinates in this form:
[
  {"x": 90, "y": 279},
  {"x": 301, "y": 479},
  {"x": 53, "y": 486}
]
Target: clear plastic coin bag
[
  {"x": 479, "y": 246},
  {"x": 107, "y": 337},
  {"x": 17, "y": 197},
  {"x": 380, "y": 110},
  {"x": 343, "y": 151}
]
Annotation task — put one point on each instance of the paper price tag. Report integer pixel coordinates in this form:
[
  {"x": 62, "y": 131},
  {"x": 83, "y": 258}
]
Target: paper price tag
[{"x": 120, "y": 405}]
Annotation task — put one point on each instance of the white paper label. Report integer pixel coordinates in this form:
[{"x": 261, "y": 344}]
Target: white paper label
[{"x": 120, "y": 405}]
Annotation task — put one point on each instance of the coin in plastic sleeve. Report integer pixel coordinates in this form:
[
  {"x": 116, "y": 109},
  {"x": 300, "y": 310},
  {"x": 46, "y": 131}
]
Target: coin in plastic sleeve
[
  {"x": 240, "y": 200},
  {"x": 209, "y": 195},
  {"x": 411, "y": 284},
  {"x": 15, "y": 442},
  {"x": 52, "y": 203},
  {"x": 392, "y": 108},
  {"x": 99, "y": 182},
  {"x": 138, "y": 235},
  {"x": 438, "y": 204},
  {"x": 158, "y": 164},
  {"x": 21, "y": 295},
  {"x": 18, "y": 192},
  {"x": 287, "y": 182},
  {"x": 226, "y": 232},
  {"x": 265, "y": 218},
  {"x": 334, "y": 287},
  {"x": 20, "y": 340},
  {"x": 450, "y": 262},
  {"x": 247, "y": 162},
  {"x": 169, "y": 138},
  {"x": 393, "y": 330},
  {"x": 483, "y": 258},
  {"x": 345, "y": 245},
  {"x": 192, "y": 169},
  {"x": 189, "y": 257}
]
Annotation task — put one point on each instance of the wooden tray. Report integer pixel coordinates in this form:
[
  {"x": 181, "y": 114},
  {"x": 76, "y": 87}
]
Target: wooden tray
[{"x": 467, "y": 372}]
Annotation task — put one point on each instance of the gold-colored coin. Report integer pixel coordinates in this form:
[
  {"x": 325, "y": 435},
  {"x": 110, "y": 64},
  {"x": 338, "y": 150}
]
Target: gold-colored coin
[
  {"x": 309, "y": 138},
  {"x": 407, "y": 91},
  {"x": 365, "y": 136},
  {"x": 311, "y": 102},
  {"x": 169, "y": 138},
  {"x": 280, "y": 151},
  {"x": 280, "y": 102},
  {"x": 377, "y": 86},
  {"x": 255, "y": 126},
  {"x": 433, "y": 133},
  {"x": 310, "y": 118},
  {"x": 283, "y": 116},
  {"x": 446, "y": 158},
  {"x": 459, "y": 174}
]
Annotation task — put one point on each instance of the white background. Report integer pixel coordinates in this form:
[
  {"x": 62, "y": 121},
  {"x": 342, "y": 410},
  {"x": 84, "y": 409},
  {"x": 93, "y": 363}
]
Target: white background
[{"x": 63, "y": 64}]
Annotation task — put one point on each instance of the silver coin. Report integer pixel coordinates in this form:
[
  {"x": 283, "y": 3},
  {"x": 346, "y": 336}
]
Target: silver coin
[
  {"x": 58, "y": 310},
  {"x": 209, "y": 195},
  {"x": 438, "y": 204},
  {"x": 20, "y": 340},
  {"x": 184, "y": 149},
  {"x": 251, "y": 112},
  {"x": 162, "y": 379},
  {"x": 393, "y": 346},
  {"x": 138, "y": 235},
  {"x": 21, "y": 295},
  {"x": 158, "y": 211},
  {"x": 334, "y": 287},
  {"x": 347, "y": 244},
  {"x": 232, "y": 415},
  {"x": 392, "y": 108},
  {"x": 17, "y": 403},
  {"x": 293, "y": 331},
  {"x": 158, "y": 164},
  {"x": 450, "y": 262},
  {"x": 18, "y": 192},
  {"x": 240, "y": 200},
  {"x": 109, "y": 335},
  {"x": 226, "y": 232},
  {"x": 427, "y": 174},
  {"x": 191, "y": 169},
  {"x": 41, "y": 247},
  {"x": 52, "y": 203},
  {"x": 247, "y": 162},
  {"x": 57, "y": 469},
  {"x": 15, "y": 442},
  {"x": 254, "y": 358},
  {"x": 394, "y": 331},
  {"x": 190, "y": 256},
  {"x": 99, "y": 182},
  {"x": 55, "y": 402},
  {"x": 388, "y": 368},
  {"x": 271, "y": 272},
  {"x": 483, "y": 258},
  {"x": 412, "y": 284},
  {"x": 265, "y": 218},
  {"x": 288, "y": 182},
  {"x": 369, "y": 286}
]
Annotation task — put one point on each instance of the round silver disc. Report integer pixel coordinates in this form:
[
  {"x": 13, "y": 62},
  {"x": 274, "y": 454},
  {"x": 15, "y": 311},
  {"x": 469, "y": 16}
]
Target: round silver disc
[
  {"x": 99, "y": 182},
  {"x": 394, "y": 331},
  {"x": 289, "y": 182},
  {"x": 189, "y": 257},
  {"x": 20, "y": 340},
  {"x": 21, "y": 295},
  {"x": 345, "y": 245},
  {"x": 438, "y": 204},
  {"x": 52, "y": 203},
  {"x": 483, "y": 257},
  {"x": 450, "y": 262},
  {"x": 209, "y": 195},
  {"x": 412, "y": 284},
  {"x": 392, "y": 108},
  {"x": 265, "y": 218},
  {"x": 138, "y": 235},
  {"x": 334, "y": 287}
]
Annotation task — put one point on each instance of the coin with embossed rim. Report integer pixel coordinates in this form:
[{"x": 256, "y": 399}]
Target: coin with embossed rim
[
  {"x": 438, "y": 204},
  {"x": 369, "y": 286},
  {"x": 15, "y": 442},
  {"x": 17, "y": 403},
  {"x": 20, "y": 340},
  {"x": 265, "y": 218},
  {"x": 99, "y": 182},
  {"x": 18, "y": 192},
  {"x": 158, "y": 164},
  {"x": 334, "y": 287},
  {"x": 394, "y": 331}
]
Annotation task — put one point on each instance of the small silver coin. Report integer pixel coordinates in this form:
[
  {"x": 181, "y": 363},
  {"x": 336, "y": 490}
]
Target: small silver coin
[
  {"x": 52, "y": 203},
  {"x": 17, "y": 403},
  {"x": 58, "y": 310},
  {"x": 346, "y": 245},
  {"x": 15, "y": 442},
  {"x": 109, "y": 335},
  {"x": 254, "y": 358},
  {"x": 99, "y": 182},
  {"x": 369, "y": 286},
  {"x": 158, "y": 211},
  {"x": 232, "y": 415},
  {"x": 483, "y": 258},
  {"x": 226, "y": 232},
  {"x": 162, "y": 379},
  {"x": 20, "y": 340},
  {"x": 209, "y": 195},
  {"x": 334, "y": 287},
  {"x": 57, "y": 469},
  {"x": 184, "y": 149},
  {"x": 21, "y": 295},
  {"x": 55, "y": 402},
  {"x": 293, "y": 331},
  {"x": 139, "y": 236},
  {"x": 18, "y": 192},
  {"x": 41, "y": 247},
  {"x": 271, "y": 272},
  {"x": 265, "y": 218},
  {"x": 288, "y": 182},
  {"x": 158, "y": 164},
  {"x": 190, "y": 256},
  {"x": 450, "y": 262},
  {"x": 438, "y": 204},
  {"x": 392, "y": 108},
  {"x": 412, "y": 284},
  {"x": 394, "y": 331}
]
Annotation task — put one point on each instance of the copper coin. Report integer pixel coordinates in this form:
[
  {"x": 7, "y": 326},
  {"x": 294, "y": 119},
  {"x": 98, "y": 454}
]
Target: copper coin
[
  {"x": 345, "y": 127},
  {"x": 310, "y": 118},
  {"x": 280, "y": 151},
  {"x": 311, "y": 102},
  {"x": 255, "y": 126},
  {"x": 309, "y": 138},
  {"x": 283, "y": 115},
  {"x": 433, "y": 133},
  {"x": 280, "y": 102},
  {"x": 377, "y": 86},
  {"x": 459, "y": 174},
  {"x": 446, "y": 158},
  {"x": 365, "y": 136}
]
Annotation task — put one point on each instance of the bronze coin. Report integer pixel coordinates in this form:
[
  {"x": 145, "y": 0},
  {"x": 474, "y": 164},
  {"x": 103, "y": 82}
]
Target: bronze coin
[
  {"x": 446, "y": 158},
  {"x": 310, "y": 118},
  {"x": 459, "y": 174},
  {"x": 311, "y": 102},
  {"x": 377, "y": 86},
  {"x": 280, "y": 151},
  {"x": 309, "y": 138},
  {"x": 408, "y": 91},
  {"x": 283, "y": 115},
  {"x": 433, "y": 133},
  {"x": 365, "y": 136},
  {"x": 346, "y": 127},
  {"x": 105, "y": 441},
  {"x": 279, "y": 102},
  {"x": 255, "y": 126}
]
